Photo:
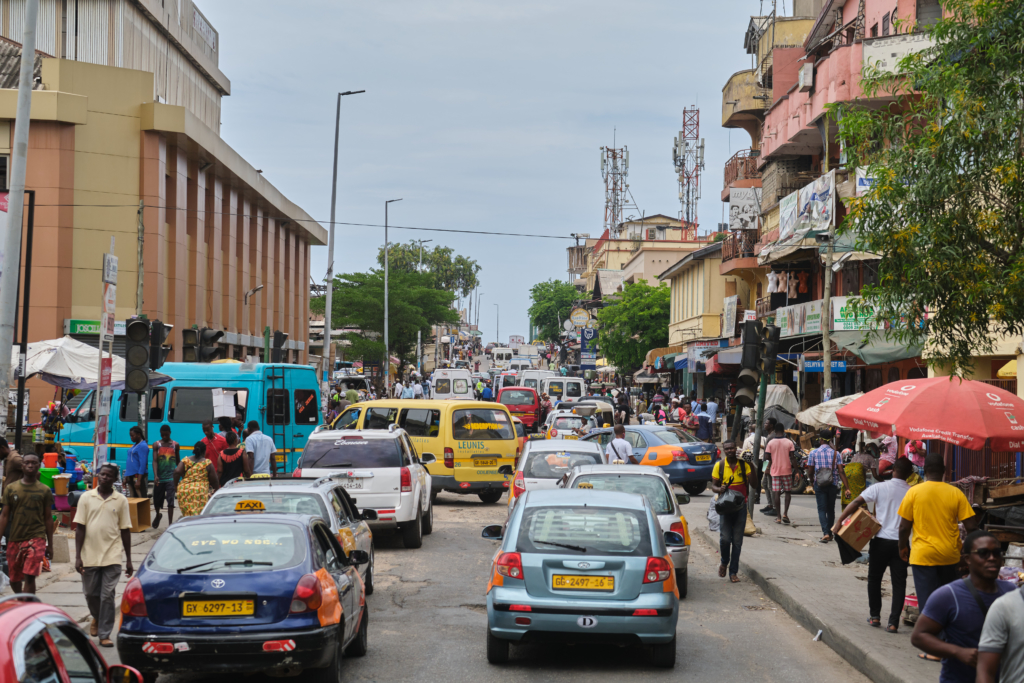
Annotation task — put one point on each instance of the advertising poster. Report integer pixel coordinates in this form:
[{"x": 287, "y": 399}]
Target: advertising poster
[
  {"x": 588, "y": 349},
  {"x": 744, "y": 207},
  {"x": 789, "y": 208},
  {"x": 799, "y": 319},
  {"x": 730, "y": 309},
  {"x": 817, "y": 204}
]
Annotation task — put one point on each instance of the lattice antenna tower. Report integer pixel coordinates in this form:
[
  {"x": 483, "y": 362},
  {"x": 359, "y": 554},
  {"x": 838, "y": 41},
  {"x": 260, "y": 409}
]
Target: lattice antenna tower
[
  {"x": 615, "y": 170},
  {"x": 688, "y": 159}
]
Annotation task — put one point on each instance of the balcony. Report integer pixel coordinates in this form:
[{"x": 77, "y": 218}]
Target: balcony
[
  {"x": 741, "y": 166},
  {"x": 763, "y": 306}
]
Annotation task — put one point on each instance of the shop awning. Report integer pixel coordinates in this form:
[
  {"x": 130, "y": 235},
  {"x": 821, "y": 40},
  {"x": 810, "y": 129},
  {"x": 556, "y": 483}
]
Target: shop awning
[
  {"x": 732, "y": 356},
  {"x": 644, "y": 377},
  {"x": 878, "y": 350},
  {"x": 682, "y": 362}
]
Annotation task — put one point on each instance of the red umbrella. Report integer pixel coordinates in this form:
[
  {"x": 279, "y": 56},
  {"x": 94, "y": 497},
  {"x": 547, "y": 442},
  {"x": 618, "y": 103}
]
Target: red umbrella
[{"x": 961, "y": 412}]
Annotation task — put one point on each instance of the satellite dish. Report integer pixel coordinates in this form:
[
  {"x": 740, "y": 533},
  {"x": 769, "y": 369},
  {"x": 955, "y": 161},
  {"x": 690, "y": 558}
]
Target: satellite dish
[{"x": 567, "y": 325}]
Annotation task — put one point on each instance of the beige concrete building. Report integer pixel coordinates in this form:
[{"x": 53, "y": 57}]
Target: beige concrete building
[{"x": 698, "y": 292}]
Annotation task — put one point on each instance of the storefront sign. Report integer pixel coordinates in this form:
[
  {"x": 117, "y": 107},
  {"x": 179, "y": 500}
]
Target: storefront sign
[
  {"x": 72, "y": 326},
  {"x": 819, "y": 366},
  {"x": 588, "y": 348},
  {"x": 579, "y": 317},
  {"x": 799, "y": 319},
  {"x": 844, "y": 318},
  {"x": 693, "y": 351}
]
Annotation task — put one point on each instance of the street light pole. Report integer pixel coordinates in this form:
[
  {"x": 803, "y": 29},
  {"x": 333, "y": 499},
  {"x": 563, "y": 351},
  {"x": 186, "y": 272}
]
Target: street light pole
[
  {"x": 497, "y": 322},
  {"x": 326, "y": 356},
  {"x": 387, "y": 344},
  {"x": 419, "y": 333}
]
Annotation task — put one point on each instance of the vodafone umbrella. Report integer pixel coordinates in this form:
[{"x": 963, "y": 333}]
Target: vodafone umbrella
[{"x": 961, "y": 412}]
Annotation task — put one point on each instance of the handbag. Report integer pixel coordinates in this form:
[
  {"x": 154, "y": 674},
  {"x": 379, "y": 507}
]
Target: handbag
[
  {"x": 730, "y": 501},
  {"x": 822, "y": 476}
]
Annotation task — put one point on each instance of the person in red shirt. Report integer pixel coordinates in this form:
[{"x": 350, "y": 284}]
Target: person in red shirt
[
  {"x": 215, "y": 443},
  {"x": 782, "y": 472}
]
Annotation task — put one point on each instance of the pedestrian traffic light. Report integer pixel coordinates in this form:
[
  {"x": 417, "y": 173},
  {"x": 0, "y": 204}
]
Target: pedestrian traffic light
[
  {"x": 277, "y": 352},
  {"x": 158, "y": 334},
  {"x": 207, "y": 351},
  {"x": 136, "y": 355},
  {"x": 749, "y": 379}
]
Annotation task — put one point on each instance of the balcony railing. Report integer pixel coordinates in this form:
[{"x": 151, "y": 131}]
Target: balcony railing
[
  {"x": 739, "y": 244},
  {"x": 763, "y": 307},
  {"x": 741, "y": 166}
]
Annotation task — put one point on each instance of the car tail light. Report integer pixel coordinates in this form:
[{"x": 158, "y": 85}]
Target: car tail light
[
  {"x": 678, "y": 528},
  {"x": 449, "y": 458},
  {"x": 680, "y": 456},
  {"x": 523, "y": 621},
  {"x": 307, "y": 596},
  {"x": 645, "y": 613},
  {"x": 518, "y": 485},
  {"x": 133, "y": 602},
  {"x": 296, "y": 472},
  {"x": 658, "y": 569},
  {"x": 520, "y": 608},
  {"x": 554, "y": 432},
  {"x": 406, "y": 480},
  {"x": 511, "y": 565}
]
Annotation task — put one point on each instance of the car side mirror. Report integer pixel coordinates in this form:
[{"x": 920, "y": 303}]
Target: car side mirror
[
  {"x": 674, "y": 540},
  {"x": 369, "y": 515},
  {"x": 506, "y": 469},
  {"x": 683, "y": 498},
  {"x": 119, "y": 673},
  {"x": 495, "y": 532},
  {"x": 358, "y": 557}
]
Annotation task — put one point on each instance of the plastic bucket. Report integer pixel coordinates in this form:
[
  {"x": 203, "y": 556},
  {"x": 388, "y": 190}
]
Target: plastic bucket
[
  {"x": 46, "y": 474},
  {"x": 49, "y": 460},
  {"x": 70, "y": 463}
]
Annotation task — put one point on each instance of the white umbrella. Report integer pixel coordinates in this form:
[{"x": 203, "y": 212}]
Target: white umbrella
[
  {"x": 71, "y": 364},
  {"x": 824, "y": 414}
]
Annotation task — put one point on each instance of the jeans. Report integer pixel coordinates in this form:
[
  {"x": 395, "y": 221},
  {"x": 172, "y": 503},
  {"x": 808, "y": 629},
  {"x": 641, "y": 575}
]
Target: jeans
[
  {"x": 826, "y": 497},
  {"x": 99, "y": 585},
  {"x": 883, "y": 554},
  {"x": 731, "y": 541},
  {"x": 929, "y": 578}
]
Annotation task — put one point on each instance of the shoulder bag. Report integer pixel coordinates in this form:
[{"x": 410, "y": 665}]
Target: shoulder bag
[
  {"x": 823, "y": 476},
  {"x": 730, "y": 501}
]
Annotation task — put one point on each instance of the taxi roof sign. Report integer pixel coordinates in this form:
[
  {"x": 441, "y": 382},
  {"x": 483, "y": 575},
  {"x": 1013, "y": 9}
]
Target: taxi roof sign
[{"x": 250, "y": 506}]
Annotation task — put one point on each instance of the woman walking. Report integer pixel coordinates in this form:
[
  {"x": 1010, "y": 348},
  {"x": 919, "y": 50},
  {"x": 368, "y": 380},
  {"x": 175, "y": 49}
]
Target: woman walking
[
  {"x": 195, "y": 477},
  {"x": 233, "y": 463}
]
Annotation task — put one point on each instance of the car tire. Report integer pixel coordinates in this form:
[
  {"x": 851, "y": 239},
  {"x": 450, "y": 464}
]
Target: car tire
[
  {"x": 433, "y": 497},
  {"x": 664, "y": 655},
  {"x": 799, "y": 483},
  {"x": 497, "y": 649},
  {"x": 490, "y": 496},
  {"x": 333, "y": 672},
  {"x": 681, "y": 575},
  {"x": 149, "y": 676},
  {"x": 428, "y": 521},
  {"x": 412, "y": 532},
  {"x": 358, "y": 646},
  {"x": 368, "y": 581},
  {"x": 695, "y": 488}
]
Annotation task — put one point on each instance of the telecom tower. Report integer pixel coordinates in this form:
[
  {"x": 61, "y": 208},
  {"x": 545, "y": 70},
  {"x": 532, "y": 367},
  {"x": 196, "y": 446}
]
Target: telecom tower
[
  {"x": 688, "y": 158},
  {"x": 614, "y": 170}
]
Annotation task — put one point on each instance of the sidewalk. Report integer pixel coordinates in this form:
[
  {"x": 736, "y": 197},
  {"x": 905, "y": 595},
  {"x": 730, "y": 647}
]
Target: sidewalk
[{"x": 807, "y": 579}]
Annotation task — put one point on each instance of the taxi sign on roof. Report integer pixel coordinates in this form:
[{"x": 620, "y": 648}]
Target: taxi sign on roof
[
  {"x": 250, "y": 506},
  {"x": 584, "y": 485}
]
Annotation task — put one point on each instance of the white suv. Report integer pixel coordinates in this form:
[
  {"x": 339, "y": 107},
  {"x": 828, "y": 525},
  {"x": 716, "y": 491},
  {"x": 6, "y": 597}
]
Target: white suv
[{"x": 381, "y": 468}]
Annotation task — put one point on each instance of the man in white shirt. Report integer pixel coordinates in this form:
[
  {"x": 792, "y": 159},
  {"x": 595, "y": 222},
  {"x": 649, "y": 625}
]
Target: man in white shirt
[
  {"x": 396, "y": 390},
  {"x": 619, "y": 448},
  {"x": 884, "y": 550},
  {"x": 417, "y": 390},
  {"x": 259, "y": 448}
]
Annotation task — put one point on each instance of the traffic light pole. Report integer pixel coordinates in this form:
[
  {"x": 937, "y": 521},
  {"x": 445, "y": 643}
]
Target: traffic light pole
[{"x": 762, "y": 394}]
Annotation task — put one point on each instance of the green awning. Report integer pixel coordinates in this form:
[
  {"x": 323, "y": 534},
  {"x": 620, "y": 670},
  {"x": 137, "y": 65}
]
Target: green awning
[
  {"x": 668, "y": 357},
  {"x": 878, "y": 350}
]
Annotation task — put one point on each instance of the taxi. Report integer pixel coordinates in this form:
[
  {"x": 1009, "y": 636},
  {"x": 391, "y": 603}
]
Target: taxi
[
  {"x": 564, "y": 424},
  {"x": 244, "y": 593}
]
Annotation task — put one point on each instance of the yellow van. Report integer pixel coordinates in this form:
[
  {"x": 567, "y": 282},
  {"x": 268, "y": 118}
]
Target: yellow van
[{"x": 469, "y": 439}]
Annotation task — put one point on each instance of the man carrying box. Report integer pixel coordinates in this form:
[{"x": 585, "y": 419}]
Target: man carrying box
[{"x": 884, "y": 550}]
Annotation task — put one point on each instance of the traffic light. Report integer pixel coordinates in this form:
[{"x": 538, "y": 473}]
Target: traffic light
[
  {"x": 207, "y": 351},
  {"x": 136, "y": 355},
  {"x": 769, "y": 348},
  {"x": 158, "y": 334},
  {"x": 277, "y": 352},
  {"x": 749, "y": 379},
  {"x": 190, "y": 345}
]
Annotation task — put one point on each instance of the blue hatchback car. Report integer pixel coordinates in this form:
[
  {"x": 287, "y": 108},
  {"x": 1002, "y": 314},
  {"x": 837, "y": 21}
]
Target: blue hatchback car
[
  {"x": 582, "y": 566},
  {"x": 245, "y": 593}
]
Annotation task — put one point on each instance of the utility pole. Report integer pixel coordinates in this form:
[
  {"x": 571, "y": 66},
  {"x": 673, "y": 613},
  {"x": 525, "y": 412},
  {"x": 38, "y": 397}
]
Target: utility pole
[
  {"x": 387, "y": 343},
  {"x": 10, "y": 274},
  {"x": 139, "y": 279},
  {"x": 826, "y": 301},
  {"x": 419, "y": 333},
  {"x": 497, "y": 322}
]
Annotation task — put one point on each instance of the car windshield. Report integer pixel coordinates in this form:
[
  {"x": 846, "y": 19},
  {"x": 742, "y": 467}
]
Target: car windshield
[
  {"x": 351, "y": 452},
  {"x": 481, "y": 424},
  {"x": 568, "y": 422},
  {"x": 248, "y": 546},
  {"x": 645, "y": 484},
  {"x": 597, "y": 530},
  {"x": 674, "y": 436},
  {"x": 554, "y": 464},
  {"x": 517, "y": 397},
  {"x": 295, "y": 503}
]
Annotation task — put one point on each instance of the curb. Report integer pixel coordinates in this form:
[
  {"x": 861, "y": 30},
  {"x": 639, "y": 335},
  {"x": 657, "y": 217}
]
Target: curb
[{"x": 857, "y": 656}]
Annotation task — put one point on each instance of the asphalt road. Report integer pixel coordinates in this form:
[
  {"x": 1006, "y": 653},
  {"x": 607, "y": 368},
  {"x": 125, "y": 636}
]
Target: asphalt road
[{"x": 428, "y": 620}]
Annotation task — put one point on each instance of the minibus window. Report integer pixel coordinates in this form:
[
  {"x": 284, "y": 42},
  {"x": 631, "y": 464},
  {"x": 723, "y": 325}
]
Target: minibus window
[
  {"x": 277, "y": 407},
  {"x": 306, "y": 407},
  {"x": 420, "y": 421},
  {"x": 130, "y": 405},
  {"x": 195, "y": 404}
]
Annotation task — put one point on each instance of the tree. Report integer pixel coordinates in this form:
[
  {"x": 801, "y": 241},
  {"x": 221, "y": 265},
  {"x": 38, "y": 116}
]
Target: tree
[
  {"x": 635, "y": 324},
  {"x": 413, "y": 304},
  {"x": 946, "y": 208},
  {"x": 552, "y": 303},
  {"x": 448, "y": 271}
]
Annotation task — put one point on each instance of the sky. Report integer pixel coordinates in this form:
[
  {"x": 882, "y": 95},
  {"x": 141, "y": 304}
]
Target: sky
[{"x": 481, "y": 115}]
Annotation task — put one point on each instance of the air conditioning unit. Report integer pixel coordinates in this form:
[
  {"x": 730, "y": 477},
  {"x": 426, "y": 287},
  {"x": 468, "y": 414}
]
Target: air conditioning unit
[{"x": 805, "y": 78}]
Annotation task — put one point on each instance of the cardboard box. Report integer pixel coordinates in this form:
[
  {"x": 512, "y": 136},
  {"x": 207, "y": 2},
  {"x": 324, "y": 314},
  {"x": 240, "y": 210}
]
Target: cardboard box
[
  {"x": 138, "y": 509},
  {"x": 859, "y": 528}
]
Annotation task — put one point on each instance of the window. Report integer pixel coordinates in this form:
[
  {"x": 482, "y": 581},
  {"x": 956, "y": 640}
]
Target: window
[
  {"x": 289, "y": 503},
  {"x": 342, "y": 505},
  {"x": 567, "y": 422},
  {"x": 574, "y": 389},
  {"x": 928, "y": 12},
  {"x": 443, "y": 386},
  {"x": 87, "y": 411},
  {"x": 520, "y": 429},
  {"x": 80, "y": 661},
  {"x": 380, "y": 418},
  {"x": 420, "y": 421},
  {"x": 481, "y": 424},
  {"x": 348, "y": 419},
  {"x": 885, "y": 24},
  {"x": 339, "y": 509},
  {"x": 352, "y": 451},
  {"x": 277, "y": 407},
  {"x": 597, "y": 530},
  {"x": 645, "y": 484},
  {"x": 874, "y": 31},
  {"x": 636, "y": 439},
  {"x": 280, "y": 545},
  {"x": 553, "y": 464},
  {"x": 556, "y": 389},
  {"x": 332, "y": 552},
  {"x": 461, "y": 386},
  {"x": 195, "y": 404},
  {"x": 130, "y": 405},
  {"x": 675, "y": 436},
  {"x": 307, "y": 409},
  {"x": 39, "y": 664}
]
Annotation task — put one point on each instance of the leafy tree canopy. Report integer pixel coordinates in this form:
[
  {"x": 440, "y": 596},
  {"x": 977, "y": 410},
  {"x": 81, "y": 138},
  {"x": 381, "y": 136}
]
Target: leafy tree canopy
[
  {"x": 448, "y": 271},
  {"x": 635, "y": 324},
  {"x": 946, "y": 209},
  {"x": 552, "y": 303}
]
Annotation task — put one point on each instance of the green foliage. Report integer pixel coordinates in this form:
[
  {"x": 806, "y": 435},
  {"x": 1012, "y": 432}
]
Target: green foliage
[
  {"x": 413, "y": 304},
  {"x": 635, "y": 324},
  {"x": 552, "y": 303},
  {"x": 946, "y": 210},
  {"x": 450, "y": 272}
]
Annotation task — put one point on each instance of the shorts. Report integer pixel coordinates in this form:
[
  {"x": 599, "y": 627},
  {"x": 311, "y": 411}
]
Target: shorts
[
  {"x": 25, "y": 558},
  {"x": 782, "y": 483},
  {"x": 164, "y": 490},
  {"x": 884, "y": 466}
]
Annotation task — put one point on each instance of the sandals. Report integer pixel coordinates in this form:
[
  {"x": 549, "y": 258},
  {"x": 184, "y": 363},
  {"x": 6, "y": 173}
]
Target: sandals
[
  {"x": 892, "y": 628},
  {"x": 734, "y": 578},
  {"x": 825, "y": 539},
  {"x": 721, "y": 570},
  {"x": 875, "y": 621},
  {"x": 778, "y": 520},
  {"x": 785, "y": 520}
]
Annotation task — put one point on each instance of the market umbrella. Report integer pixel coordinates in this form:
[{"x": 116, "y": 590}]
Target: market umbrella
[
  {"x": 824, "y": 414},
  {"x": 960, "y": 412},
  {"x": 71, "y": 364}
]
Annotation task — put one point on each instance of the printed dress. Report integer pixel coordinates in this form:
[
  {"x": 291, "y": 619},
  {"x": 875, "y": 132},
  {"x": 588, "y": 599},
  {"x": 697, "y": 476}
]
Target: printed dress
[{"x": 194, "y": 487}]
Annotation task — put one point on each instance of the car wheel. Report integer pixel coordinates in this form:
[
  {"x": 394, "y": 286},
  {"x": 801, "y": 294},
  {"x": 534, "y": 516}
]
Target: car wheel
[
  {"x": 433, "y": 497},
  {"x": 664, "y": 655},
  {"x": 412, "y": 532},
  {"x": 497, "y": 649},
  {"x": 368, "y": 580},
  {"x": 357, "y": 648},
  {"x": 681, "y": 575},
  {"x": 333, "y": 672},
  {"x": 490, "y": 496},
  {"x": 428, "y": 521},
  {"x": 695, "y": 488}
]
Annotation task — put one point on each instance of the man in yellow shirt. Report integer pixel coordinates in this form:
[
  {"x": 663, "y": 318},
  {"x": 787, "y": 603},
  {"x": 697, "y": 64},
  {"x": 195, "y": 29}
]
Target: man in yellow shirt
[{"x": 933, "y": 511}]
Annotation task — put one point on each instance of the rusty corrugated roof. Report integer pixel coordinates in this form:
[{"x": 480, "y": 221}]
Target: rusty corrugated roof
[{"x": 10, "y": 66}]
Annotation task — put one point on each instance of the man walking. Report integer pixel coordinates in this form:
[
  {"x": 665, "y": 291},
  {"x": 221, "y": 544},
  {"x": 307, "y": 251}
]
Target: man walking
[
  {"x": 782, "y": 473},
  {"x": 619, "y": 449},
  {"x": 259, "y": 449},
  {"x": 166, "y": 456},
  {"x": 933, "y": 511},
  {"x": 351, "y": 395},
  {"x": 1001, "y": 649},
  {"x": 102, "y": 533},
  {"x": 884, "y": 551},
  {"x": 824, "y": 459},
  {"x": 735, "y": 474},
  {"x": 136, "y": 471},
  {"x": 27, "y": 506},
  {"x": 214, "y": 442}
]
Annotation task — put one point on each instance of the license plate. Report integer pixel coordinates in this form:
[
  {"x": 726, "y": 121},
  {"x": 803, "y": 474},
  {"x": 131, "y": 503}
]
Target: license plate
[
  {"x": 571, "y": 437},
  {"x": 703, "y": 458},
  {"x": 351, "y": 483},
  {"x": 485, "y": 462},
  {"x": 217, "y": 608},
  {"x": 576, "y": 582}
]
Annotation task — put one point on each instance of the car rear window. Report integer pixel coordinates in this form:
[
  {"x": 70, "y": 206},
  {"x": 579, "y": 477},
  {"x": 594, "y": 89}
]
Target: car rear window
[
  {"x": 554, "y": 464},
  {"x": 443, "y": 386},
  {"x": 573, "y": 389},
  {"x": 461, "y": 386},
  {"x": 517, "y": 397},
  {"x": 645, "y": 484},
  {"x": 226, "y": 547},
  {"x": 352, "y": 452},
  {"x": 294, "y": 503},
  {"x": 674, "y": 436},
  {"x": 481, "y": 424},
  {"x": 587, "y": 530},
  {"x": 568, "y": 423}
]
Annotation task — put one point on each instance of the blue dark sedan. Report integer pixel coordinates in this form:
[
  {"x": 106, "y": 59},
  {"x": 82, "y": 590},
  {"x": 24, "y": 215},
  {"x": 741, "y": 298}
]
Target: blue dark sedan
[{"x": 686, "y": 460}]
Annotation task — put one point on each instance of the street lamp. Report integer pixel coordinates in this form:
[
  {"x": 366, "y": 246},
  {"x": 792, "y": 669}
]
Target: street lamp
[
  {"x": 329, "y": 366},
  {"x": 497, "y": 322},
  {"x": 387, "y": 344},
  {"x": 419, "y": 333}
]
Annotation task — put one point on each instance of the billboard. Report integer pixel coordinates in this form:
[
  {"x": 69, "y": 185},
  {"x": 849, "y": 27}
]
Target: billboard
[
  {"x": 817, "y": 203},
  {"x": 789, "y": 208},
  {"x": 588, "y": 348},
  {"x": 744, "y": 207}
]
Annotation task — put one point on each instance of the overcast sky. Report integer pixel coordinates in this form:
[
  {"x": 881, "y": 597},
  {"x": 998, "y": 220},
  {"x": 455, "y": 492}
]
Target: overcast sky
[{"x": 480, "y": 115}]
